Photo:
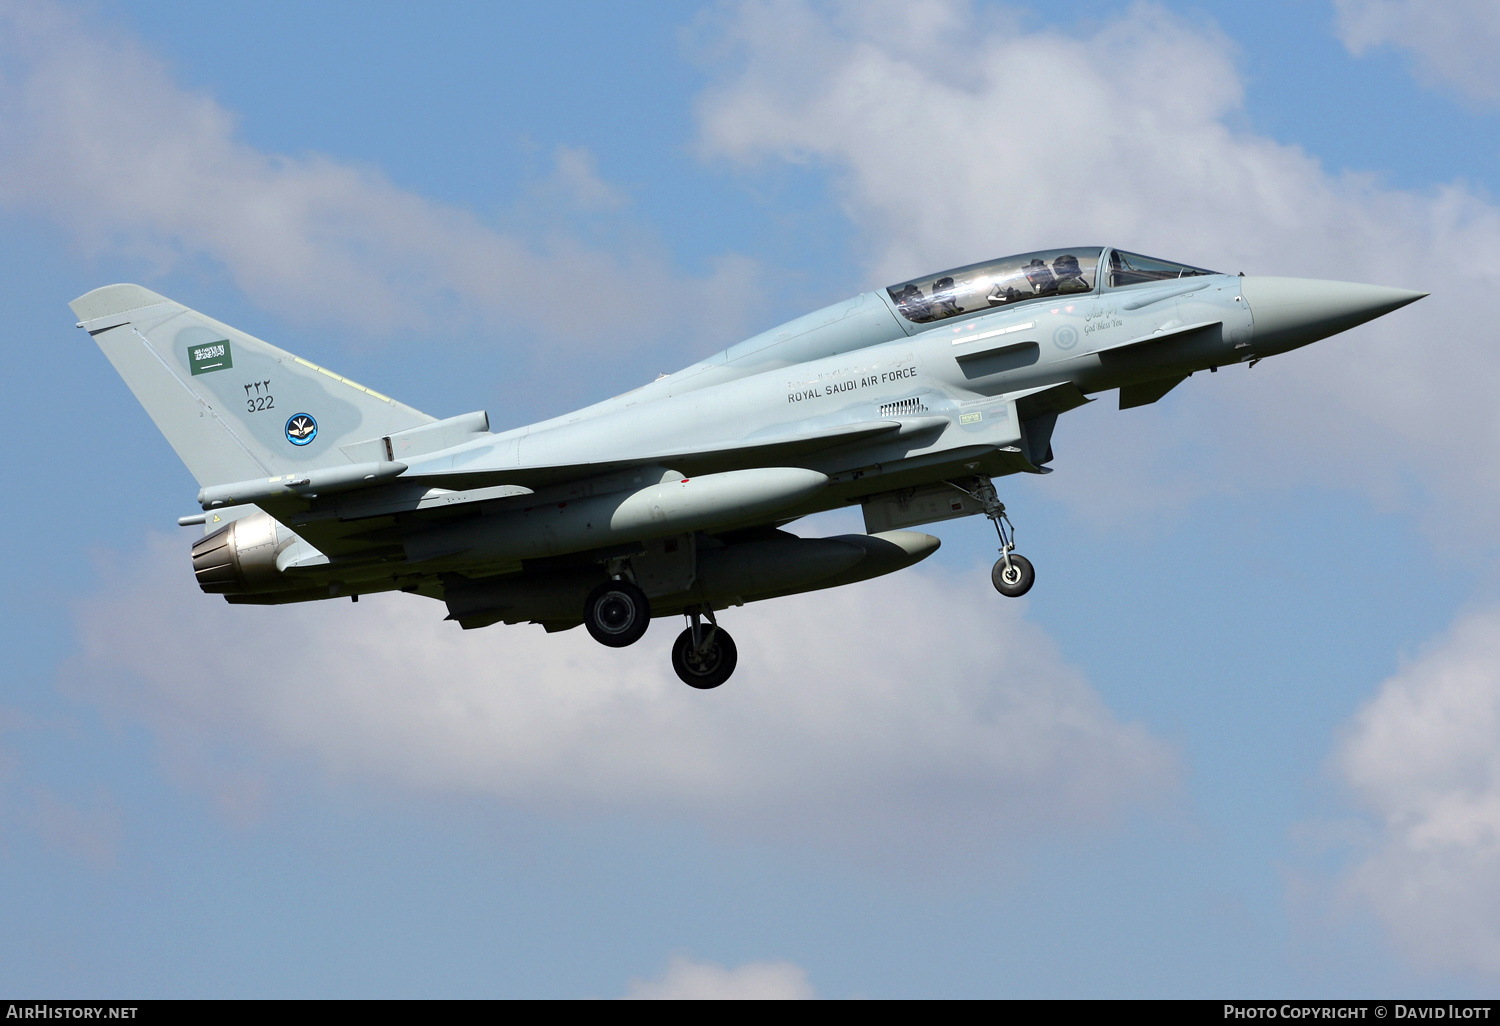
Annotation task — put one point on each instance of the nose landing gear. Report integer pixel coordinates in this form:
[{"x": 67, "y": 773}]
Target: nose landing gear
[
  {"x": 704, "y": 659},
  {"x": 1012, "y": 575}
]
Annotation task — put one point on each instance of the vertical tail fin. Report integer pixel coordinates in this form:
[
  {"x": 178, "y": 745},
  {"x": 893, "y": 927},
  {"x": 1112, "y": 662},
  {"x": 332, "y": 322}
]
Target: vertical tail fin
[{"x": 232, "y": 406}]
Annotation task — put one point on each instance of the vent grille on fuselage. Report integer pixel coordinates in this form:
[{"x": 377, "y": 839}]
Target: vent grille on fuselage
[{"x": 903, "y": 408}]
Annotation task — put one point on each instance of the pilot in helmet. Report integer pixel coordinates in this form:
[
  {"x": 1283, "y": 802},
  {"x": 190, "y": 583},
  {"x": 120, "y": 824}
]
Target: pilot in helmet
[
  {"x": 1069, "y": 275},
  {"x": 1042, "y": 282},
  {"x": 944, "y": 297}
]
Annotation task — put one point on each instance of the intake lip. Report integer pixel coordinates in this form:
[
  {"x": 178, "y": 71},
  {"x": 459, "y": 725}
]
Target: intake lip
[{"x": 1291, "y": 312}]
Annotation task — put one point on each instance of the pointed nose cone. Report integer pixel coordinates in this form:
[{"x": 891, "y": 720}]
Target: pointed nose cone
[{"x": 1291, "y": 312}]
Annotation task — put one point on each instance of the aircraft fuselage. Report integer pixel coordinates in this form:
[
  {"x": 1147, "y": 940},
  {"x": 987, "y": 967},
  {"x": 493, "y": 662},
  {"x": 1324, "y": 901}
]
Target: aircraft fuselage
[{"x": 668, "y": 499}]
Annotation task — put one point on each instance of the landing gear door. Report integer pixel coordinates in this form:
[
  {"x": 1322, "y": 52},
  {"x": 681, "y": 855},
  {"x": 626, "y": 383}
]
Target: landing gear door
[
  {"x": 908, "y": 507},
  {"x": 667, "y": 566}
]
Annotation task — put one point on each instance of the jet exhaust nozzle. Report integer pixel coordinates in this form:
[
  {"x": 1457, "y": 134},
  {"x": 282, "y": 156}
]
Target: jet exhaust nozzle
[{"x": 240, "y": 557}]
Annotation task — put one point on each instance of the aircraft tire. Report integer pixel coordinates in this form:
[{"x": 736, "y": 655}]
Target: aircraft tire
[
  {"x": 617, "y": 613},
  {"x": 1018, "y": 582},
  {"x": 711, "y": 669}
]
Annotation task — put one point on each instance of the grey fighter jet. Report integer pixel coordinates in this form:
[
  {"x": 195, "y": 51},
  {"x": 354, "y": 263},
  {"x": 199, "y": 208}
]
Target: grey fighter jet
[{"x": 672, "y": 500}]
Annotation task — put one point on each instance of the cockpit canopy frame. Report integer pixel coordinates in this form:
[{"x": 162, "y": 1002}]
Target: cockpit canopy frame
[{"x": 1044, "y": 274}]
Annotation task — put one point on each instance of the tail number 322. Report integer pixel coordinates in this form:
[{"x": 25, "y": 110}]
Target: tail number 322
[{"x": 258, "y": 397}]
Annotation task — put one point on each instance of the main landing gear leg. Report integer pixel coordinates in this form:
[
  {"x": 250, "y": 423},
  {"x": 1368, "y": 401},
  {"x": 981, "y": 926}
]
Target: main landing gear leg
[
  {"x": 1012, "y": 575},
  {"x": 704, "y": 659}
]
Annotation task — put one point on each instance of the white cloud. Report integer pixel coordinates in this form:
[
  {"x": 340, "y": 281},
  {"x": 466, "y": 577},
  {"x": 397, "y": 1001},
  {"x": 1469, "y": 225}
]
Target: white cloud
[
  {"x": 1423, "y": 759},
  {"x": 89, "y": 831},
  {"x": 689, "y": 980},
  {"x": 95, "y": 135},
  {"x": 963, "y": 139},
  {"x": 577, "y": 178},
  {"x": 950, "y": 136},
  {"x": 1454, "y": 43},
  {"x": 917, "y": 718}
]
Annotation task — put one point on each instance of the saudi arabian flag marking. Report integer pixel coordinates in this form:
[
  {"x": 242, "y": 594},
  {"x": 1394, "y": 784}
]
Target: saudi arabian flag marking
[{"x": 210, "y": 356}]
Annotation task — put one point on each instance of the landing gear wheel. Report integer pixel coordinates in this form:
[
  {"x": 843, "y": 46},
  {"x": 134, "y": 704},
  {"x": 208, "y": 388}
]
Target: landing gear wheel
[
  {"x": 1015, "y": 580},
  {"x": 708, "y": 668},
  {"x": 1012, "y": 575},
  {"x": 617, "y": 613}
]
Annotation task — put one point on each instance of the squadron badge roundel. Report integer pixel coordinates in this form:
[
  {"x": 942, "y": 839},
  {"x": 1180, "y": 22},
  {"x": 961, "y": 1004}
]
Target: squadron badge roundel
[
  {"x": 301, "y": 429},
  {"x": 1065, "y": 337}
]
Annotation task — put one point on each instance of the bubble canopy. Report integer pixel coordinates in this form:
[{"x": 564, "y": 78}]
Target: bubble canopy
[{"x": 1015, "y": 279}]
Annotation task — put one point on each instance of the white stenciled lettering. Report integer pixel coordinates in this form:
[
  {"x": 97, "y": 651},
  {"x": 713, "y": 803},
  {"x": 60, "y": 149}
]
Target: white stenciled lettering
[{"x": 837, "y": 387}]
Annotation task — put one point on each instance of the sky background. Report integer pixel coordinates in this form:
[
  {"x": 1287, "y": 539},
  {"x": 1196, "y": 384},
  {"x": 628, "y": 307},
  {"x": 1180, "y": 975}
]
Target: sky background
[{"x": 1242, "y": 738}]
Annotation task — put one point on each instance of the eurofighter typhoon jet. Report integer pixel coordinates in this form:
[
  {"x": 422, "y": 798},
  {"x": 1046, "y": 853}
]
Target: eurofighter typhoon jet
[{"x": 672, "y": 500}]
